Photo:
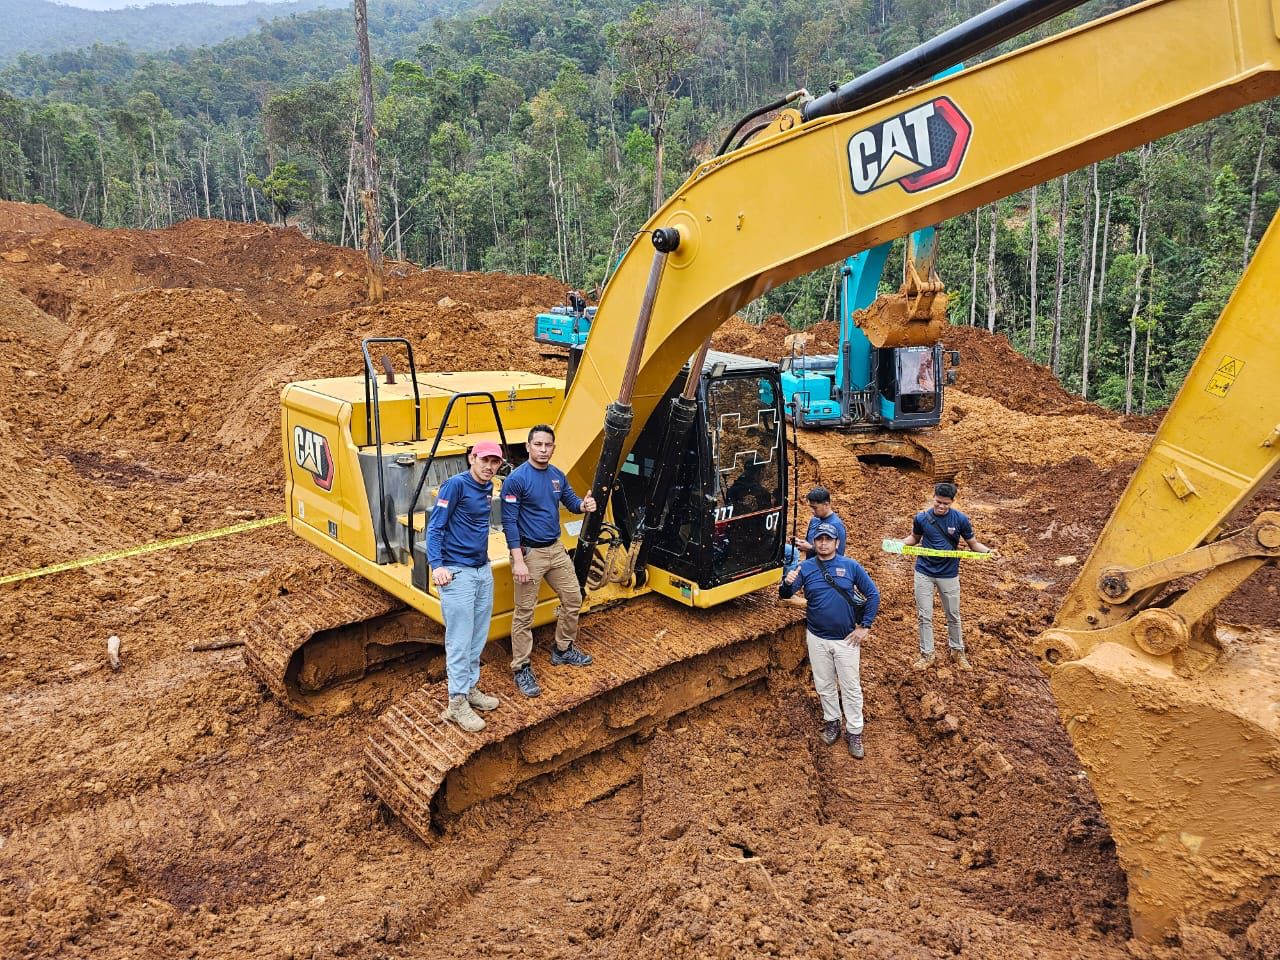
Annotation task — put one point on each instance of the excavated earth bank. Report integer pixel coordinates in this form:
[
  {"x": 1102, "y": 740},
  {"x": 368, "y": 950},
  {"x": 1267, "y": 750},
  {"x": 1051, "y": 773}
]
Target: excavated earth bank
[{"x": 173, "y": 809}]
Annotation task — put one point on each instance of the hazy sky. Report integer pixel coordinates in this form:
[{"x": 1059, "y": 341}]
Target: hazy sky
[{"x": 121, "y": 4}]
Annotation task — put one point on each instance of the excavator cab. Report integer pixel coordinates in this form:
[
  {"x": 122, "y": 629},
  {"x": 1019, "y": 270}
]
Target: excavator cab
[{"x": 724, "y": 520}]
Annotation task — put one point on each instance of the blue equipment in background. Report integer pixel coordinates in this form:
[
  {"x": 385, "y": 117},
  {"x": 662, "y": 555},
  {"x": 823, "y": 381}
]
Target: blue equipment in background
[
  {"x": 862, "y": 387},
  {"x": 565, "y": 326}
]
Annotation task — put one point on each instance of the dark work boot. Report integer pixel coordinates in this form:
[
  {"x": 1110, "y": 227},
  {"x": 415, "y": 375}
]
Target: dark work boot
[
  {"x": 572, "y": 657},
  {"x": 854, "y": 743},
  {"x": 830, "y": 731},
  {"x": 526, "y": 682}
]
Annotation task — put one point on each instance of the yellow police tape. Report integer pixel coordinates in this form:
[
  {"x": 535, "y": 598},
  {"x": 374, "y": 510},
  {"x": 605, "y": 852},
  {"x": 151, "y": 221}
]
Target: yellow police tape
[
  {"x": 145, "y": 548},
  {"x": 897, "y": 546}
]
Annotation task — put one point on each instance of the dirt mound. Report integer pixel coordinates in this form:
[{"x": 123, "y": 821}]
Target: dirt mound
[
  {"x": 991, "y": 367},
  {"x": 18, "y": 217},
  {"x": 967, "y": 830},
  {"x": 988, "y": 431},
  {"x": 20, "y": 316}
]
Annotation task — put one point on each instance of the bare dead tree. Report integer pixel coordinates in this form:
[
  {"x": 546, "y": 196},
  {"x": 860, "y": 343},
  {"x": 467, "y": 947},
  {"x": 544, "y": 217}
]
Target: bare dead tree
[
  {"x": 369, "y": 195},
  {"x": 1055, "y": 346},
  {"x": 1035, "y": 264},
  {"x": 1257, "y": 175}
]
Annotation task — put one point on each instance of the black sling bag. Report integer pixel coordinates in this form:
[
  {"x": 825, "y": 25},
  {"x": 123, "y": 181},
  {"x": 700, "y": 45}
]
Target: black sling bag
[{"x": 855, "y": 600}]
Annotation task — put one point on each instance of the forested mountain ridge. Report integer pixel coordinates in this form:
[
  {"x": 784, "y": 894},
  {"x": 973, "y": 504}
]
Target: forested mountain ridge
[
  {"x": 525, "y": 135},
  {"x": 41, "y": 27}
]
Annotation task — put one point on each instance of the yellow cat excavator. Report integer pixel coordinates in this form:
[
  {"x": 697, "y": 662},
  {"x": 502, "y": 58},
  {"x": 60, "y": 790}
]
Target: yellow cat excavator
[{"x": 1176, "y": 721}]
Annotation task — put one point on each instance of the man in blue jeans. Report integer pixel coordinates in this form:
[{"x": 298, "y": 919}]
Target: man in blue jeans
[
  {"x": 941, "y": 527},
  {"x": 843, "y": 602},
  {"x": 458, "y": 550}
]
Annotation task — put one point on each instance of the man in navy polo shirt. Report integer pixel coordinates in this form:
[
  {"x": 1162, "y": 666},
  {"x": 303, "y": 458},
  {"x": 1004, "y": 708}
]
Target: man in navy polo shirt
[
  {"x": 531, "y": 499},
  {"x": 941, "y": 527},
  {"x": 458, "y": 549},
  {"x": 842, "y": 605},
  {"x": 819, "y": 499}
]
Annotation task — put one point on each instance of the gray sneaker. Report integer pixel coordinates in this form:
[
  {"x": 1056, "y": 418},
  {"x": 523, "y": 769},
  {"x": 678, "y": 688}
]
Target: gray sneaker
[
  {"x": 830, "y": 732},
  {"x": 481, "y": 701},
  {"x": 460, "y": 712},
  {"x": 961, "y": 661},
  {"x": 526, "y": 682},
  {"x": 923, "y": 661},
  {"x": 854, "y": 742},
  {"x": 572, "y": 657}
]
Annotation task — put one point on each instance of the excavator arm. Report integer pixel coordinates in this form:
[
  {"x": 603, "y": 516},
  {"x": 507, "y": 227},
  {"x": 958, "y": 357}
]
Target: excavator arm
[{"x": 1178, "y": 728}]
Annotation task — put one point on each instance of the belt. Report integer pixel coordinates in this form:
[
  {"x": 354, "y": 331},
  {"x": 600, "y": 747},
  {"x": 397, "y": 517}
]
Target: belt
[{"x": 540, "y": 543}]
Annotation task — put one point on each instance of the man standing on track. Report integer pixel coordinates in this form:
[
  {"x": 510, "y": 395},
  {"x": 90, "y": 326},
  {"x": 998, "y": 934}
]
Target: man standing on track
[
  {"x": 531, "y": 499},
  {"x": 941, "y": 527},
  {"x": 819, "y": 499},
  {"x": 842, "y": 605},
  {"x": 458, "y": 550}
]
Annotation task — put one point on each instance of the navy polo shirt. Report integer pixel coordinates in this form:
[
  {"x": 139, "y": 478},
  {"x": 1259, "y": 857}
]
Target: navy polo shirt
[{"x": 946, "y": 532}]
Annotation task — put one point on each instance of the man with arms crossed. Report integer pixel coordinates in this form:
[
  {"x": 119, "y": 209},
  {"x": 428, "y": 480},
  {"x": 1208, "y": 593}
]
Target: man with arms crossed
[
  {"x": 458, "y": 550},
  {"x": 843, "y": 602},
  {"x": 941, "y": 527},
  {"x": 531, "y": 499}
]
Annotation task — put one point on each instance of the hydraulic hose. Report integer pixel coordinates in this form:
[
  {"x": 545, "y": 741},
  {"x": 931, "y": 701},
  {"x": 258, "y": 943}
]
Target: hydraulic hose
[{"x": 978, "y": 33}]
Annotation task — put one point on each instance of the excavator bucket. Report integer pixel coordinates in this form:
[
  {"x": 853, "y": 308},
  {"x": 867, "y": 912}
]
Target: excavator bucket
[
  {"x": 912, "y": 317},
  {"x": 916, "y": 315},
  {"x": 1187, "y": 768}
]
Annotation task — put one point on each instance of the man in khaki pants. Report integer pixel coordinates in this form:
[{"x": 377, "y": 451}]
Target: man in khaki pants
[{"x": 531, "y": 499}]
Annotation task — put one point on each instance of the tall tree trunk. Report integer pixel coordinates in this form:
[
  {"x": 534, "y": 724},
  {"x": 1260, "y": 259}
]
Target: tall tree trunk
[
  {"x": 991, "y": 269},
  {"x": 369, "y": 196},
  {"x": 1146, "y": 359},
  {"x": 973, "y": 279},
  {"x": 1100, "y": 297},
  {"x": 1140, "y": 246},
  {"x": 659, "y": 142},
  {"x": 1253, "y": 189},
  {"x": 1035, "y": 264},
  {"x": 1055, "y": 345},
  {"x": 1088, "y": 299}
]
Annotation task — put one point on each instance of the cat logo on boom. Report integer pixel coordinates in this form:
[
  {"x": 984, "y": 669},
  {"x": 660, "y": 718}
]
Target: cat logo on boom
[
  {"x": 917, "y": 149},
  {"x": 311, "y": 453}
]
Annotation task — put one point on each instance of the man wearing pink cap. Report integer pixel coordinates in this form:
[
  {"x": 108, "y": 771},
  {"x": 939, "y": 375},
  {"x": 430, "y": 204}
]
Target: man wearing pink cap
[{"x": 458, "y": 550}]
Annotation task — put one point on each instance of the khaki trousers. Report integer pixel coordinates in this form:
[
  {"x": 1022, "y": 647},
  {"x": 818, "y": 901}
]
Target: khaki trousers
[
  {"x": 553, "y": 565},
  {"x": 836, "y": 665}
]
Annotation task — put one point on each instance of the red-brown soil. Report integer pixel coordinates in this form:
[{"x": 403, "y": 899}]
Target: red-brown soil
[{"x": 175, "y": 809}]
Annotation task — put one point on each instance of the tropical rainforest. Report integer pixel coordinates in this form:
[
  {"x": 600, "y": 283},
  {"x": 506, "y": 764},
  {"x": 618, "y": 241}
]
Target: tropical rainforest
[{"x": 536, "y": 137}]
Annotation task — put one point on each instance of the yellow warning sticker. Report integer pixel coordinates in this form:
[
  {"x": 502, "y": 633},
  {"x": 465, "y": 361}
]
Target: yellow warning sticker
[
  {"x": 144, "y": 548},
  {"x": 1224, "y": 376}
]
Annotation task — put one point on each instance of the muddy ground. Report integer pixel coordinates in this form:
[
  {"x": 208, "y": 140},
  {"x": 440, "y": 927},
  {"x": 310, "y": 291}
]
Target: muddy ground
[{"x": 173, "y": 809}]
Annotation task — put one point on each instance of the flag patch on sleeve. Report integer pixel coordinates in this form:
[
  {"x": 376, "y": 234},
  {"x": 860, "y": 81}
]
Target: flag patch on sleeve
[
  {"x": 442, "y": 502},
  {"x": 510, "y": 497}
]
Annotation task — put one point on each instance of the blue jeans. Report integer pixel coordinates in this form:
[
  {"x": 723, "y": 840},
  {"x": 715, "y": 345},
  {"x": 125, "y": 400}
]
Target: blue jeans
[
  {"x": 467, "y": 605},
  {"x": 791, "y": 558}
]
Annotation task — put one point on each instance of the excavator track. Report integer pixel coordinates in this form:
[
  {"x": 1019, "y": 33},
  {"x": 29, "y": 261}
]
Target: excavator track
[
  {"x": 652, "y": 662},
  {"x": 932, "y": 453},
  {"x": 304, "y": 643}
]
